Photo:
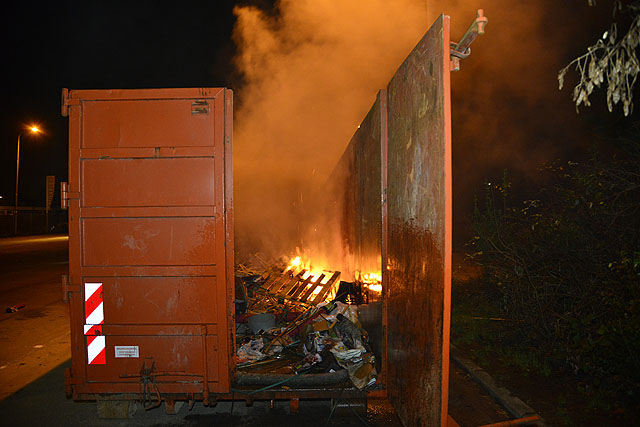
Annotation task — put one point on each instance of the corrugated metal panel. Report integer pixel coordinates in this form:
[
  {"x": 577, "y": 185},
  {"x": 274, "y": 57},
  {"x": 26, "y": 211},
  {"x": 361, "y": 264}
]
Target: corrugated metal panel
[{"x": 151, "y": 223}]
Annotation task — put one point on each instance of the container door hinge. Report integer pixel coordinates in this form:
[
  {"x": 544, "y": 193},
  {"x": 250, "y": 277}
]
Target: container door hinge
[
  {"x": 66, "y": 195},
  {"x": 67, "y": 287},
  {"x": 67, "y": 102},
  {"x": 462, "y": 49},
  {"x": 70, "y": 381}
]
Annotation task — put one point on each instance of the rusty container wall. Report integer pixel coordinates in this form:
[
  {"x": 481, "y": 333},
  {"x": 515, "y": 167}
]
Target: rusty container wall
[
  {"x": 150, "y": 240},
  {"x": 419, "y": 215},
  {"x": 394, "y": 183},
  {"x": 356, "y": 182},
  {"x": 369, "y": 170},
  {"x": 343, "y": 183}
]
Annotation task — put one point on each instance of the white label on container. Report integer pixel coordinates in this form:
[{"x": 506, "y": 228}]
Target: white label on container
[{"x": 127, "y": 351}]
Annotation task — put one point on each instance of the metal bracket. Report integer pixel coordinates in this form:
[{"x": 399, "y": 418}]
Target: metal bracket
[
  {"x": 149, "y": 385},
  {"x": 462, "y": 49},
  {"x": 200, "y": 106},
  {"x": 70, "y": 381},
  {"x": 67, "y": 287},
  {"x": 67, "y": 102},
  {"x": 66, "y": 195}
]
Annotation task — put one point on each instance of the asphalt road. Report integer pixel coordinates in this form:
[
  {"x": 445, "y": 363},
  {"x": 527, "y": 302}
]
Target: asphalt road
[
  {"x": 34, "y": 351},
  {"x": 34, "y": 339}
]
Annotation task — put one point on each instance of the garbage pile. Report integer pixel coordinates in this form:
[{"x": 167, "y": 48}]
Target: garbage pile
[{"x": 277, "y": 334}]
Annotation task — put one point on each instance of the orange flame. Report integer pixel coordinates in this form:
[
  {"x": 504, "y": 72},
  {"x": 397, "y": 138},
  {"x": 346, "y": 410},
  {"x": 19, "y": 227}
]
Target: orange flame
[
  {"x": 298, "y": 264},
  {"x": 372, "y": 281}
]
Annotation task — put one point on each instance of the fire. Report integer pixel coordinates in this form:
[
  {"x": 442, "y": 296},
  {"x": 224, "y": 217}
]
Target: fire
[
  {"x": 294, "y": 263},
  {"x": 297, "y": 265},
  {"x": 372, "y": 278},
  {"x": 372, "y": 281},
  {"x": 377, "y": 288}
]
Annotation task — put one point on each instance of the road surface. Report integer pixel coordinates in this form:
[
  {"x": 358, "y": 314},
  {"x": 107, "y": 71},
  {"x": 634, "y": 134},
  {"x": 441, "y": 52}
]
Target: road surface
[{"x": 35, "y": 339}]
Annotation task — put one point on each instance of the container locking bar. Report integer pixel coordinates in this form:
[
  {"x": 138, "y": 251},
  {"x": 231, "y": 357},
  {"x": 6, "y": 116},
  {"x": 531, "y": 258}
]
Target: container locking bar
[{"x": 462, "y": 49}]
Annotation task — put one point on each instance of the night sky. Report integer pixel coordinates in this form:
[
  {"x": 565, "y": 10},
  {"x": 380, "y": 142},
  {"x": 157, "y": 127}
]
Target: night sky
[
  {"x": 507, "y": 111},
  {"x": 96, "y": 45}
]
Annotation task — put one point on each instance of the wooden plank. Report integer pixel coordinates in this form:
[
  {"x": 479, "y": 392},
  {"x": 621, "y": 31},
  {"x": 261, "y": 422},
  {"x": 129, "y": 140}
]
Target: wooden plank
[
  {"x": 327, "y": 287},
  {"x": 286, "y": 283},
  {"x": 285, "y": 289},
  {"x": 313, "y": 287},
  {"x": 276, "y": 283},
  {"x": 301, "y": 287},
  {"x": 270, "y": 281}
]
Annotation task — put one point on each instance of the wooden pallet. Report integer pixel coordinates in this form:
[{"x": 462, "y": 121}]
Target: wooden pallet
[{"x": 295, "y": 288}]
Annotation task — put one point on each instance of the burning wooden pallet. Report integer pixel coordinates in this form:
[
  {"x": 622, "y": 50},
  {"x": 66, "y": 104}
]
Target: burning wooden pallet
[{"x": 307, "y": 290}]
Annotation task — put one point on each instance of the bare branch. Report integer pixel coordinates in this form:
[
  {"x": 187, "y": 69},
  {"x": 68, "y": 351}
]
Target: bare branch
[{"x": 609, "y": 59}]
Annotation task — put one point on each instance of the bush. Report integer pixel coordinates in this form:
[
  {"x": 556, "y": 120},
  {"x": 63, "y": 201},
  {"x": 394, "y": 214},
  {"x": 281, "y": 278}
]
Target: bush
[{"x": 567, "y": 264}]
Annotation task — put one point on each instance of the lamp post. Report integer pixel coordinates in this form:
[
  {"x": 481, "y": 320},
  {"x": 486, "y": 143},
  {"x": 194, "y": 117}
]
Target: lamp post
[{"x": 35, "y": 130}]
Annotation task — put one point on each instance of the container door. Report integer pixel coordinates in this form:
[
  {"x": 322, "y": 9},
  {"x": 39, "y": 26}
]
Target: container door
[
  {"x": 418, "y": 209},
  {"x": 149, "y": 239}
]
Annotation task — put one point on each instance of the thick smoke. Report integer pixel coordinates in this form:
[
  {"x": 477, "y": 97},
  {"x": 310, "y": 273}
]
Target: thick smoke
[{"x": 312, "y": 70}]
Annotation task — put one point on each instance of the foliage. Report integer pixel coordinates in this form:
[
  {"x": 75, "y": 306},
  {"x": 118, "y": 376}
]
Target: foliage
[
  {"x": 567, "y": 265},
  {"x": 610, "y": 59}
]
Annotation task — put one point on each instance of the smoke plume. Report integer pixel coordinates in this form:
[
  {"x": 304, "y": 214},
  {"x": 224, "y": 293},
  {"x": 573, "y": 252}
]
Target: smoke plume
[{"x": 311, "y": 70}]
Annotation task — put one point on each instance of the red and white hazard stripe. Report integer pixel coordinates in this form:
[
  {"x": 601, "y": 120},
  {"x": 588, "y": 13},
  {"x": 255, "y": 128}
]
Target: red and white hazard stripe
[{"x": 94, "y": 319}]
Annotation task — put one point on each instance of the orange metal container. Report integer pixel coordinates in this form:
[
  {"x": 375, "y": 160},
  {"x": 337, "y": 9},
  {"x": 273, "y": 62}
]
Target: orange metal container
[{"x": 151, "y": 239}]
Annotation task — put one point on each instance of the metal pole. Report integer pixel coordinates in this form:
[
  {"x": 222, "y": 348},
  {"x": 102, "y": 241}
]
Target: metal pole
[{"x": 15, "y": 212}]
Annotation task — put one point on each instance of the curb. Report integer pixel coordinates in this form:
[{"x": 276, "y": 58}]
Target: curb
[{"x": 516, "y": 407}]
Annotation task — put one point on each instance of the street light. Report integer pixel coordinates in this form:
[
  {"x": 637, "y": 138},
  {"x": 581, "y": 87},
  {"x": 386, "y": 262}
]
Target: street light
[{"x": 35, "y": 130}]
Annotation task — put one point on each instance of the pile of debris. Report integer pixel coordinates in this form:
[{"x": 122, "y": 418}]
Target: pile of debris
[{"x": 290, "y": 323}]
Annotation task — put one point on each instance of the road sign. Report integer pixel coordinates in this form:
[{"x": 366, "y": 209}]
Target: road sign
[{"x": 51, "y": 185}]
